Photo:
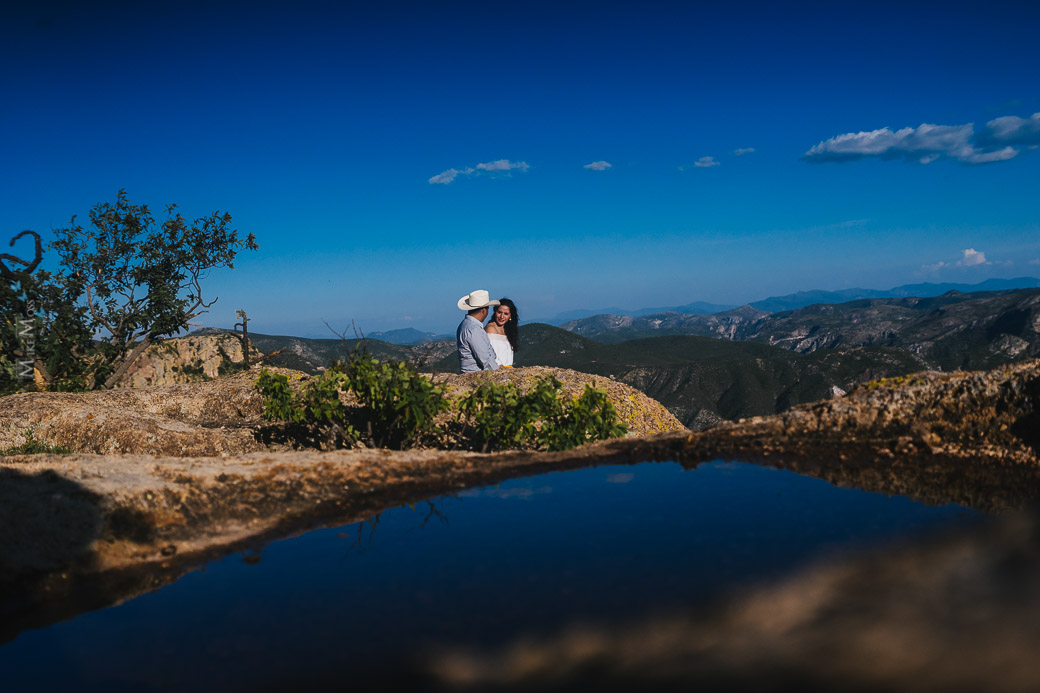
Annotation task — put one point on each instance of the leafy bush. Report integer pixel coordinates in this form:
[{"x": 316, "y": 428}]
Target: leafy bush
[
  {"x": 399, "y": 404},
  {"x": 315, "y": 415},
  {"x": 500, "y": 417},
  {"x": 399, "y": 407}
]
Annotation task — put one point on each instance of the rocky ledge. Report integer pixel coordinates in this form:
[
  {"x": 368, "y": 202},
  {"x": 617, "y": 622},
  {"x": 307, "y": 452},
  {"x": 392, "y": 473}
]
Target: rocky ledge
[
  {"x": 224, "y": 416},
  {"x": 92, "y": 529},
  {"x": 990, "y": 417}
]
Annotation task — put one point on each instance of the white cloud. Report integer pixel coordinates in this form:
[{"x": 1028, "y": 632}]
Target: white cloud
[
  {"x": 744, "y": 150},
  {"x": 705, "y": 162},
  {"x": 597, "y": 166},
  {"x": 1035, "y": 261},
  {"x": 977, "y": 157},
  {"x": 927, "y": 142},
  {"x": 446, "y": 177},
  {"x": 971, "y": 257},
  {"x": 503, "y": 165},
  {"x": 1012, "y": 130}
]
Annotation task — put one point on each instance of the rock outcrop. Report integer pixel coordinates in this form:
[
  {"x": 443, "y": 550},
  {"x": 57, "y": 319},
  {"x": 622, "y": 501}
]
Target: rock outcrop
[
  {"x": 223, "y": 416},
  {"x": 985, "y": 415},
  {"x": 191, "y": 359}
]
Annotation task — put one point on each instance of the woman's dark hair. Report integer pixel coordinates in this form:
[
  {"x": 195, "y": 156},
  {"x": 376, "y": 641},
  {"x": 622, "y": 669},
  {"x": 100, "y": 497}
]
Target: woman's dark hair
[{"x": 512, "y": 327}]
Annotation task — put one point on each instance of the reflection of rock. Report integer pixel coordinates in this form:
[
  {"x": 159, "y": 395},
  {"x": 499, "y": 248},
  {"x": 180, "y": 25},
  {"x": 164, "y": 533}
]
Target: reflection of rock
[
  {"x": 960, "y": 614},
  {"x": 154, "y": 517}
]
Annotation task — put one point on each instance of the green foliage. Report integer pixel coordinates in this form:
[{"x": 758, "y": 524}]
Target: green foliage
[
  {"x": 398, "y": 403},
  {"x": 31, "y": 446},
  {"x": 42, "y": 325},
  {"x": 496, "y": 417},
  {"x": 500, "y": 417},
  {"x": 123, "y": 281},
  {"x": 397, "y": 410},
  {"x": 315, "y": 415},
  {"x": 279, "y": 404},
  {"x": 399, "y": 407}
]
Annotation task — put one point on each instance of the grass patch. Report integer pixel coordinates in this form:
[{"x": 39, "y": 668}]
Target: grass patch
[{"x": 31, "y": 446}]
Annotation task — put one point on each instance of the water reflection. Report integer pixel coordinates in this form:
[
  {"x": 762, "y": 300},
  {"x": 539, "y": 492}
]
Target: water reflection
[{"x": 602, "y": 545}]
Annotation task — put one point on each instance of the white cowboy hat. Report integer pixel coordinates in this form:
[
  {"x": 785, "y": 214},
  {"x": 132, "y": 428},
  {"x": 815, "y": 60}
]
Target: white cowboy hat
[{"x": 477, "y": 299}]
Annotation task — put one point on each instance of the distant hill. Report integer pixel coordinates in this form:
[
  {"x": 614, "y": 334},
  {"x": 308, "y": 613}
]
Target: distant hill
[
  {"x": 409, "y": 336},
  {"x": 314, "y": 355},
  {"x": 970, "y": 331},
  {"x": 801, "y": 299},
  {"x": 611, "y": 329},
  {"x": 776, "y": 304},
  {"x": 955, "y": 330},
  {"x": 699, "y": 307}
]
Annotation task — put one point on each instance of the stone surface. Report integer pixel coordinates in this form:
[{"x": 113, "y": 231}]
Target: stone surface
[
  {"x": 187, "y": 360},
  {"x": 223, "y": 416}
]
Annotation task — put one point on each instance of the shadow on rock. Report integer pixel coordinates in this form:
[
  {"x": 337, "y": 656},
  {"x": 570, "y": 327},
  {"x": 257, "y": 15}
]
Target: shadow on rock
[
  {"x": 47, "y": 524},
  {"x": 1027, "y": 428}
]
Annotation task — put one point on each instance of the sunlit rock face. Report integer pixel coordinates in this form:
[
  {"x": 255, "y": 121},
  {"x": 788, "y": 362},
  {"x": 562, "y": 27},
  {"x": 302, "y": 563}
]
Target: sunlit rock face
[
  {"x": 187, "y": 360},
  {"x": 992, "y": 415},
  {"x": 222, "y": 416},
  {"x": 204, "y": 418}
]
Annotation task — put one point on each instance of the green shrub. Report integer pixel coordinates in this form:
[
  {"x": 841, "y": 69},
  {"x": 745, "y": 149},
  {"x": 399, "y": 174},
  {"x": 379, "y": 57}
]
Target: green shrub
[
  {"x": 495, "y": 417},
  {"x": 398, "y": 407},
  {"x": 397, "y": 410},
  {"x": 500, "y": 417},
  {"x": 398, "y": 404}
]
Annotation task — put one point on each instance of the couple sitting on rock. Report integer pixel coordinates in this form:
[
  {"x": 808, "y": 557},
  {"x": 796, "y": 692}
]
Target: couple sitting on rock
[{"x": 486, "y": 347}]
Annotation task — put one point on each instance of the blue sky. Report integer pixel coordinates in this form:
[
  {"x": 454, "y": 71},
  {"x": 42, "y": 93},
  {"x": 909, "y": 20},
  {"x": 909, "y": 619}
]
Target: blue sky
[{"x": 391, "y": 157}]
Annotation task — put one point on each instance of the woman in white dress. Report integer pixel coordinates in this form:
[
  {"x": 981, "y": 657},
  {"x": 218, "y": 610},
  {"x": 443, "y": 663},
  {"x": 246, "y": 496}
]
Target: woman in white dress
[{"x": 503, "y": 331}]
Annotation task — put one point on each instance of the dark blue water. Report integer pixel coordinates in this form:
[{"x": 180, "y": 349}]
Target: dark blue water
[{"x": 529, "y": 556}]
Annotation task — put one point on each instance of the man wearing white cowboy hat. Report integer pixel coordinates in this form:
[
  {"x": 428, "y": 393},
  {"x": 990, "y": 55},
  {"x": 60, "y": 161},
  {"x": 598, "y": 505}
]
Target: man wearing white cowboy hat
[{"x": 475, "y": 350}]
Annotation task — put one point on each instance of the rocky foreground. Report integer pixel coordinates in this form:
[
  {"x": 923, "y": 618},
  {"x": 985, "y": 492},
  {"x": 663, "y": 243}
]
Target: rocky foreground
[{"x": 186, "y": 478}]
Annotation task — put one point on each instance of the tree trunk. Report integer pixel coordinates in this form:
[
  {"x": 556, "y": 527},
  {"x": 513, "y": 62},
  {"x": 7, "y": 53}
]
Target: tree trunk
[{"x": 119, "y": 372}]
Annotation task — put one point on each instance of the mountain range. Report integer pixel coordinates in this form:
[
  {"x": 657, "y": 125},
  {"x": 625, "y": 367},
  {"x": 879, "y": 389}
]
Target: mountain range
[
  {"x": 800, "y": 299},
  {"x": 955, "y": 330},
  {"x": 746, "y": 362}
]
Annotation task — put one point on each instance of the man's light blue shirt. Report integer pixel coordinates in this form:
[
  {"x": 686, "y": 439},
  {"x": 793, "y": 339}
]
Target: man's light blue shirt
[{"x": 475, "y": 350}]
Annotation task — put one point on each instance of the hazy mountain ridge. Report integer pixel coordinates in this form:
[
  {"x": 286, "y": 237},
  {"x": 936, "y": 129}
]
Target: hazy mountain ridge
[
  {"x": 955, "y": 330},
  {"x": 314, "y": 355},
  {"x": 408, "y": 336},
  {"x": 801, "y": 299}
]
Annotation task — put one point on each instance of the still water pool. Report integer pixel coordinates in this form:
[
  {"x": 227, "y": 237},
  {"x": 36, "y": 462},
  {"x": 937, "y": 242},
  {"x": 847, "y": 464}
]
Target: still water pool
[{"x": 530, "y": 556}]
